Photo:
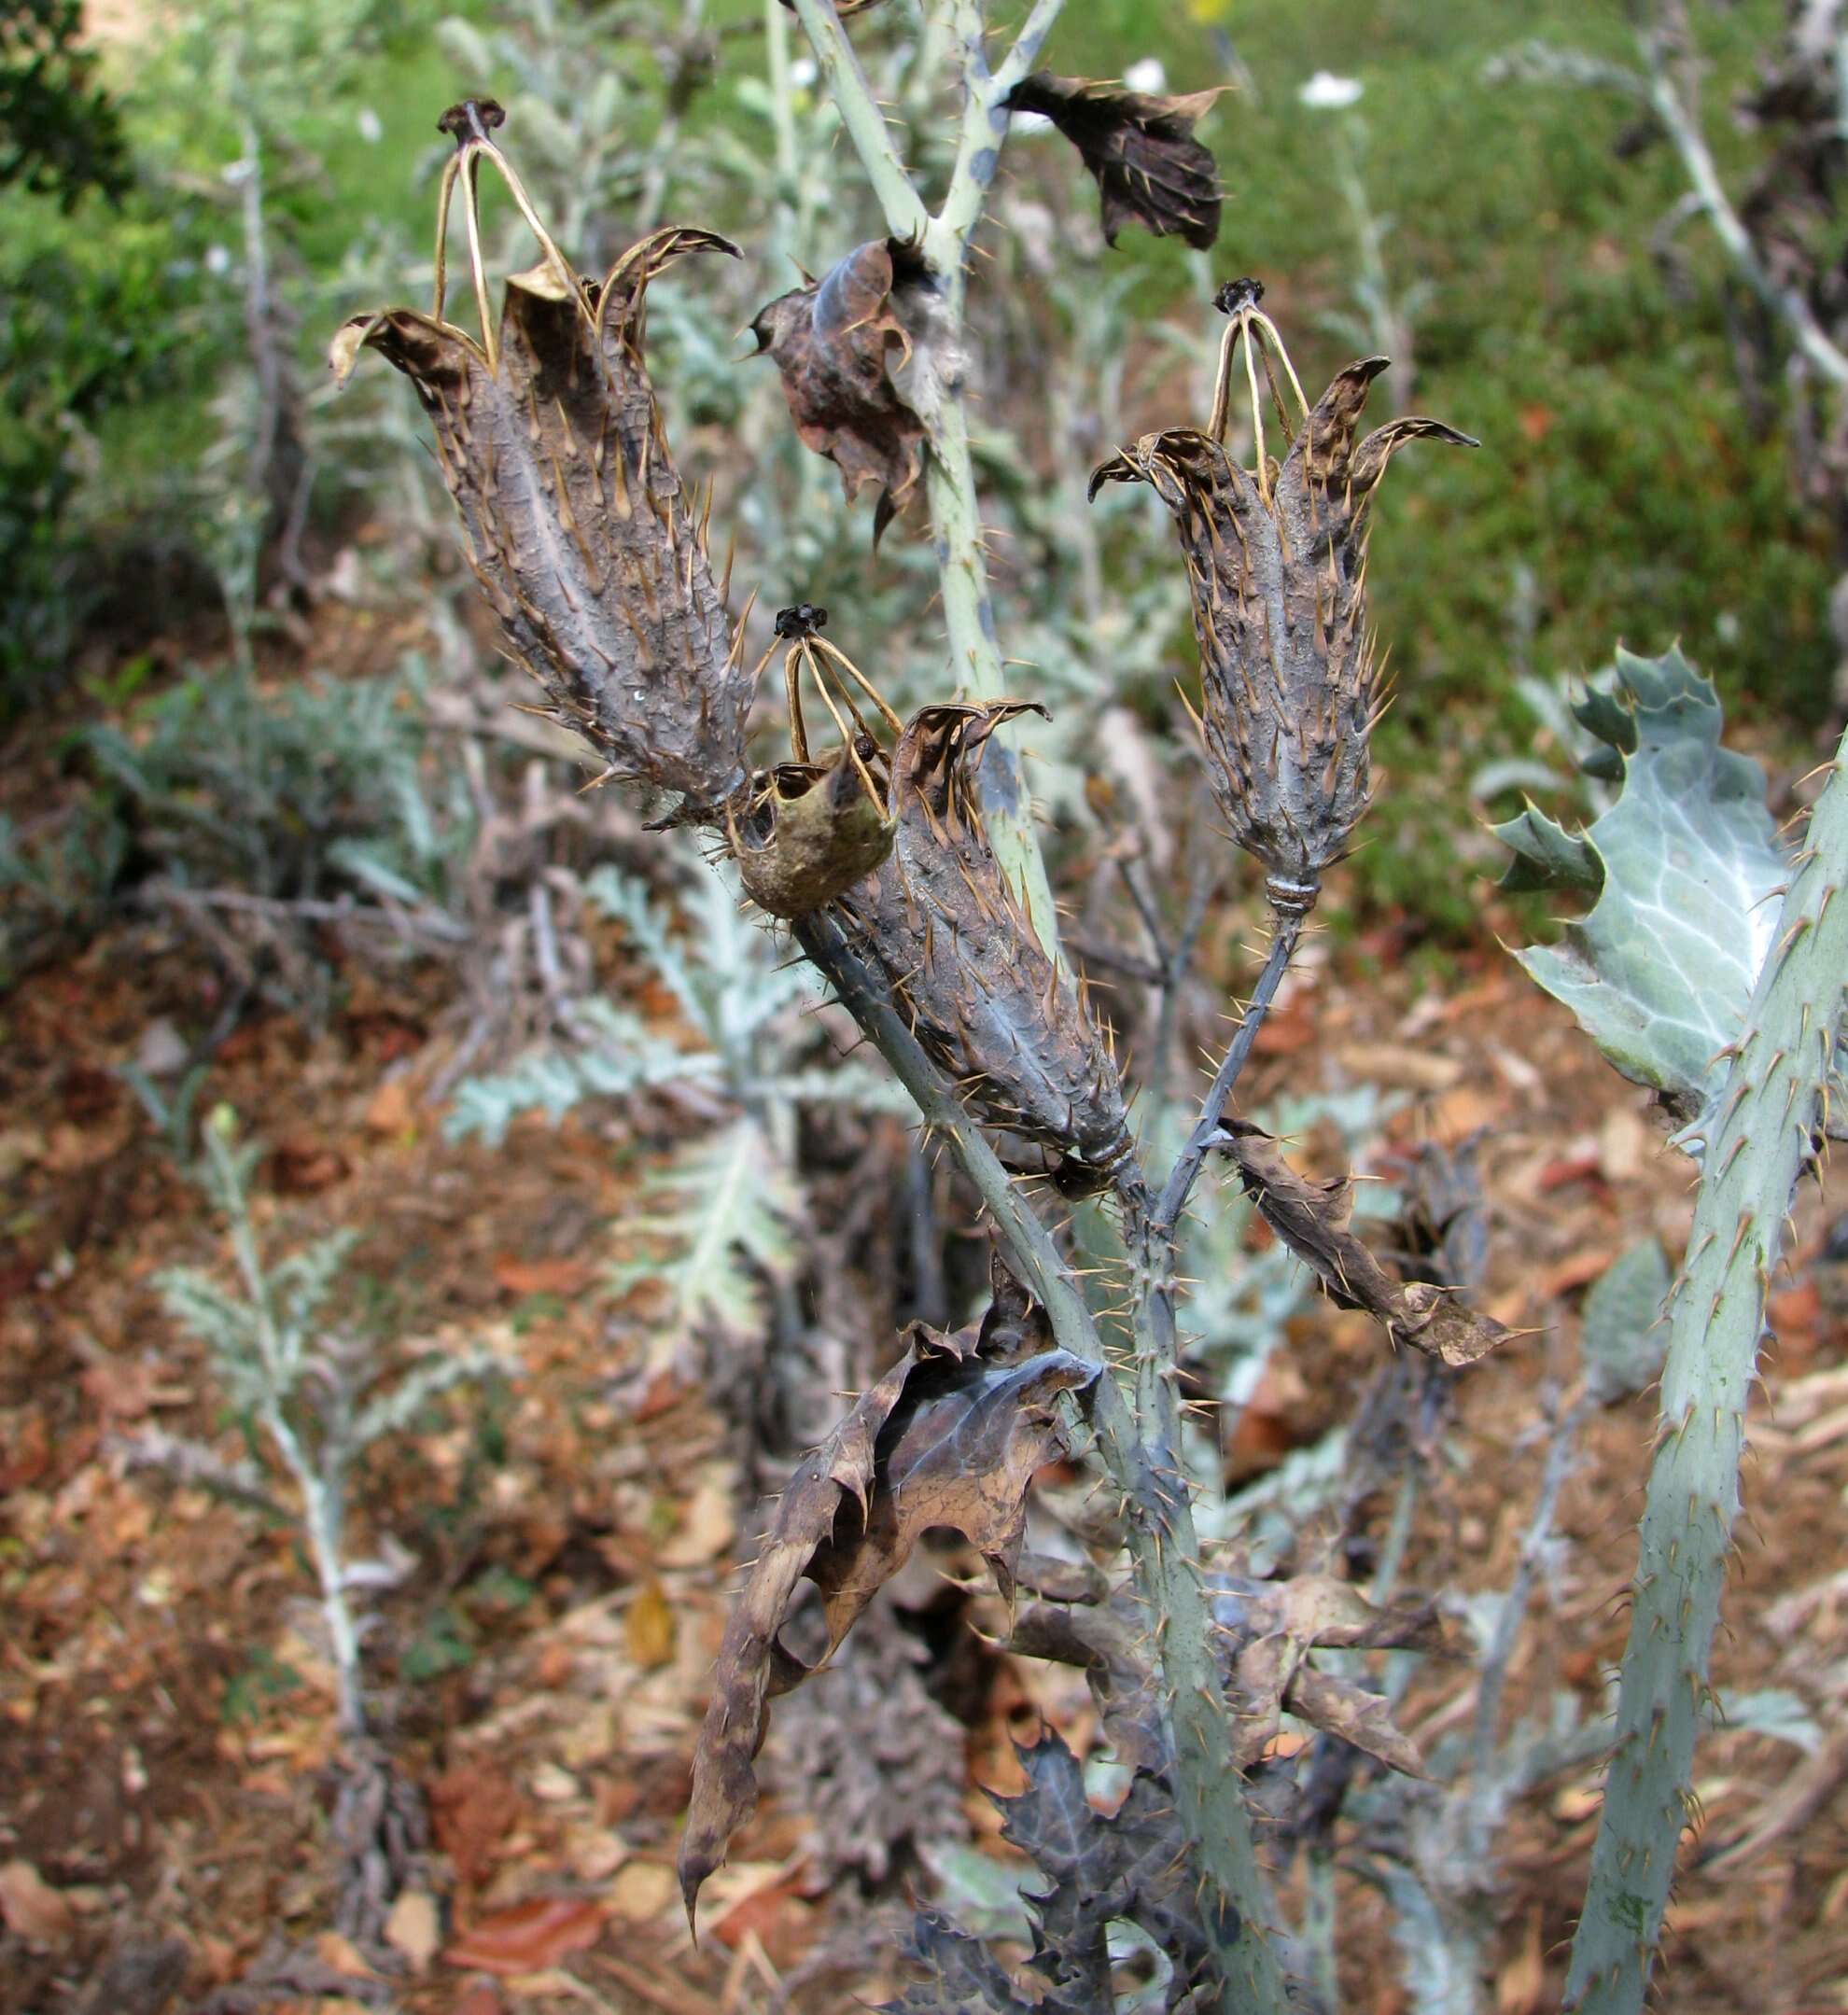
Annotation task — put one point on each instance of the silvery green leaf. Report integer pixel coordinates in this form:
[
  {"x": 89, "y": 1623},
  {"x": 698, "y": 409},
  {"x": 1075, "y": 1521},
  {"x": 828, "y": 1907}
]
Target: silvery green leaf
[
  {"x": 1660, "y": 969},
  {"x": 981, "y": 1893},
  {"x": 1623, "y": 1337},
  {"x": 1546, "y": 856},
  {"x": 464, "y": 45},
  {"x": 1773, "y": 1710}
]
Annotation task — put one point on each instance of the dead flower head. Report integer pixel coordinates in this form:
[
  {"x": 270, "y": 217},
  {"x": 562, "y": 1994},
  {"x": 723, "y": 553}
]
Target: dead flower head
[
  {"x": 1277, "y": 558},
  {"x": 956, "y": 946},
  {"x": 579, "y": 530},
  {"x": 809, "y": 830}
]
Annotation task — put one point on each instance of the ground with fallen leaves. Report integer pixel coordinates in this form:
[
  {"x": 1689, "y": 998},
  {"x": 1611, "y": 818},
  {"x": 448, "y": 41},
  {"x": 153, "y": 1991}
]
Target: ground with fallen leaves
[{"x": 165, "y": 1766}]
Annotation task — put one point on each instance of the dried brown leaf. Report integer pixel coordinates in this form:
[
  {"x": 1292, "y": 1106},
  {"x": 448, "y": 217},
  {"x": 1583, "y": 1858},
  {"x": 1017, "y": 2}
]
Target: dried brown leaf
[
  {"x": 1140, "y": 150},
  {"x": 957, "y": 948},
  {"x": 31, "y": 1908},
  {"x": 1311, "y": 1218},
  {"x": 835, "y": 341},
  {"x": 579, "y": 530},
  {"x": 950, "y": 1437},
  {"x": 529, "y": 1937}
]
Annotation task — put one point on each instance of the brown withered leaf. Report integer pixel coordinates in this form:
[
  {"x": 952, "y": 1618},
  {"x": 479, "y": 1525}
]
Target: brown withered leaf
[
  {"x": 1140, "y": 151},
  {"x": 1269, "y": 1628},
  {"x": 950, "y": 1437},
  {"x": 957, "y": 948},
  {"x": 579, "y": 530},
  {"x": 835, "y": 341},
  {"x": 809, "y": 833},
  {"x": 1278, "y": 573},
  {"x": 529, "y": 1937},
  {"x": 1311, "y": 1218}
]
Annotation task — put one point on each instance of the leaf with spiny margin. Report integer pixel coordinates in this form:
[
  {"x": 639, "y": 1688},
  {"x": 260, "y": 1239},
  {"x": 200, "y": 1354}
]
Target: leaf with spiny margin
[
  {"x": 1131, "y": 1867},
  {"x": 1623, "y": 1337},
  {"x": 951, "y": 1437},
  {"x": 1546, "y": 856},
  {"x": 961, "y": 1976},
  {"x": 1687, "y": 871}
]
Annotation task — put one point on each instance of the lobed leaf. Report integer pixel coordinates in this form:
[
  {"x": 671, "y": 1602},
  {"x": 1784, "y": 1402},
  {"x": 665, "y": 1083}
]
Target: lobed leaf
[{"x": 950, "y": 1437}]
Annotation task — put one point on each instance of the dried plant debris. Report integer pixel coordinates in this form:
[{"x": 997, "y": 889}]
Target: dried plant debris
[
  {"x": 1290, "y": 685},
  {"x": 950, "y": 1437},
  {"x": 835, "y": 341},
  {"x": 1268, "y": 1631},
  {"x": 847, "y": 10},
  {"x": 1128, "y": 1868},
  {"x": 550, "y": 442},
  {"x": 878, "y": 1762},
  {"x": 1140, "y": 151},
  {"x": 1311, "y": 1218},
  {"x": 1108, "y": 1641},
  {"x": 956, "y": 946}
]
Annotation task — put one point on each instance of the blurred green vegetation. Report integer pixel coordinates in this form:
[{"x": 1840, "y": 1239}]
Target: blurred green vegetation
[{"x": 1618, "y": 466}]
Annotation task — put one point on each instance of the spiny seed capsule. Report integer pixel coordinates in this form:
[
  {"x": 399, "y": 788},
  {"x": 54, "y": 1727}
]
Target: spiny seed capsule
[
  {"x": 1277, "y": 561},
  {"x": 579, "y": 527}
]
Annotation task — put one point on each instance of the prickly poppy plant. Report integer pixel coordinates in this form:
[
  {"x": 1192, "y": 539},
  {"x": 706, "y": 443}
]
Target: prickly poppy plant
[{"x": 899, "y": 855}]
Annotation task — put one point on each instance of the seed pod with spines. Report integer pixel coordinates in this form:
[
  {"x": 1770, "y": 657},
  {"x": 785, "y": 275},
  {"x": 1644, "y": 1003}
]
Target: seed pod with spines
[
  {"x": 579, "y": 530},
  {"x": 956, "y": 946},
  {"x": 1277, "y": 560}
]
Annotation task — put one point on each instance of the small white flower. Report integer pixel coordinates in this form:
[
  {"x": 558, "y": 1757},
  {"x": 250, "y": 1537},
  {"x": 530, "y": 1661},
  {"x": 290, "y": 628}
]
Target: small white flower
[
  {"x": 218, "y": 261},
  {"x": 803, "y": 72},
  {"x": 372, "y": 127},
  {"x": 1326, "y": 92},
  {"x": 1147, "y": 75}
]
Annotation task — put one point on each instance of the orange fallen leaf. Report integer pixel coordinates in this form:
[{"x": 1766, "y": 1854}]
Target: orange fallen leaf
[
  {"x": 32, "y": 1910},
  {"x": 560, "y": 1276},
  {"x": 472, "y": 1810},
  {"x": 389, "y": 1110},
  {"x": 1576, "y": 1269},
  {"x": 530, "y": 1936},
  {"x": 478, "y": 2001}
]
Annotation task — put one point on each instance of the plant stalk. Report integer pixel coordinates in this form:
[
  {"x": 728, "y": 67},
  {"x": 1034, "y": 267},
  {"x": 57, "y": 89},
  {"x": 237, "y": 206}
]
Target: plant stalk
[
  {"x": 940, "y": 397},
  {"x": 1763, "y": 1137},
  {"x": 1138, "y": 1450}
]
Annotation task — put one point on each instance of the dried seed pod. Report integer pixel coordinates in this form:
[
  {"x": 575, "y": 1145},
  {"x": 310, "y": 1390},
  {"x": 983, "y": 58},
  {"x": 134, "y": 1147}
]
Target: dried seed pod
[
  {"x": 579, "y": 530},
  {"x": 1277, "y": 561},
  {"x": 811, "y": 830},
  {"x": 1140, "y": 150},
  {"x": 809, "y": 833},
  {"x": 959, "y": 954}
]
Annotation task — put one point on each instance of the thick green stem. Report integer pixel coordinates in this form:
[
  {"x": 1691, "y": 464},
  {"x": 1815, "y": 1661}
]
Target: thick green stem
[
  {"x": 1138, "y": 1449},
  {"x": 1762, "y": 1140},
  {"x": 940, "y": 392}
]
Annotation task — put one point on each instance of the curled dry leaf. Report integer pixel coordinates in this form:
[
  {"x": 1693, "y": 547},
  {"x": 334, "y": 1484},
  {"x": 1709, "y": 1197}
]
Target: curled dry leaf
[
  {"x": 835, "y": 341},
  {"x": 579, "y": 530},
  {"x": 1290, "y": 685},
  {"x": 950, "y": 1437},
  {"x": 1311, "y": 1218},
  {"x": 1140, "y": 151},
  {"x": 956, "y": 946},
  {"x": 1268, "y": 1631},
  {"x": 809, "y": 833}
]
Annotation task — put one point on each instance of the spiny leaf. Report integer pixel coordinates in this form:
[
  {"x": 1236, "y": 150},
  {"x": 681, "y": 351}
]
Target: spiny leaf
[
  {"x": 950, "y": 1437},
  {"x": 961, "y": 1977},
  {"x": 1130, "y": 1865},
  {"x": 1686, "y": 869},
  {"x": 1623, "y": 1337},
  {"x": 1311, "y": 1219},
  {"x": 1140, "y": 150}
]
